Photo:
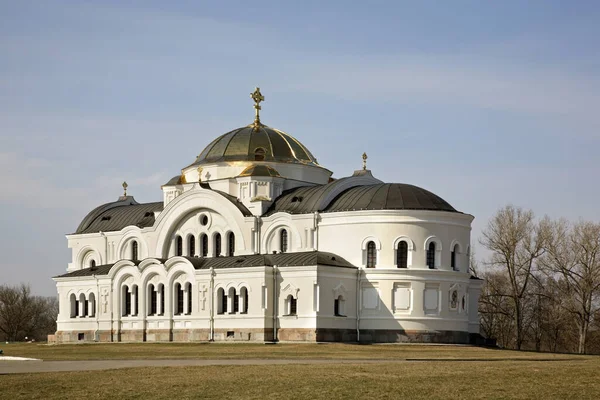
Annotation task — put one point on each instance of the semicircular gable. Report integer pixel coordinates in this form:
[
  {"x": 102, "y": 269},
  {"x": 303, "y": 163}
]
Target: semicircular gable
[{"x": 196, "y": 199}]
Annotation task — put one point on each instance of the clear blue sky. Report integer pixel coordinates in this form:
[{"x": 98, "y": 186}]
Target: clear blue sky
[{"x": 483, "y": 103}]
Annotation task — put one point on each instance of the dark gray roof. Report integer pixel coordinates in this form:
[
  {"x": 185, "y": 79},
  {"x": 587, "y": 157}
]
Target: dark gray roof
[
  {"x": 126, "y": 211},
  {"x": 305, "y": 199},
  {"x": 98, "y": 270},
  {"x": 301, "y": 200},
  {"x": 254, "y": 260},
  {"x": 240, "y": 145},
  {"x": 281, "y": 260},
  {"x": 240, "y": 206},
  {"x": 388, "y": 196},
  {"x": 383, "y": 196},
  {"x": 115, "y": 216}
]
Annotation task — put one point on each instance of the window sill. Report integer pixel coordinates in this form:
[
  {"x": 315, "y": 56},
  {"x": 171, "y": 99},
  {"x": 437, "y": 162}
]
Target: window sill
[
  {"x": 290, "y": 316},
  {"x": 340, "y": 316}
]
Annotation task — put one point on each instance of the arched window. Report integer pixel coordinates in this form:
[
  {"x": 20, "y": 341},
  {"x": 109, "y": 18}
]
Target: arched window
[
  {"x": 291, "y": 305},
  {"x": 259, "y": 154},
  {"x": 92, "y": 264},
  {"x": 402, "y": 254},
  {"x": 453, "y": 258},
  {"x": 83, "y": 306},
  {"x": 243, "y": 300},
  {"x": 371, "y": 254},
  {"x": 339, "y": 306},
  {"x": 134, "y": 250},
  {"x": 74, "y": 305},
  {"x": 217, "y": 250},
  {"x": 192, "y": 245},
  {"x": 221, "y": 301},
  {"x": 178, "y": 299},
  {"x": 188, "y": 289},
  {"x": 431, "y": 255},
  {"x": 230, "y": 244},
  {"x": 152, "y": 300},
  {"x": 134, "y": 300},
  {"x": 161, "y": 296},
  {"x": 92, "y": 305},
  {"x": 126, "y": 301},
  {"x": 179, "y": 246},
  {"x": 283, "y": 240},
  {"x": 204, "y": 243}
]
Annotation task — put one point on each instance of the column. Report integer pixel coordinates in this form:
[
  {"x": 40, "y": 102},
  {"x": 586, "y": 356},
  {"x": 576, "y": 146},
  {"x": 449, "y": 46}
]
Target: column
[
  {"x": 81, "y": 308},
  {"x": 159, "y": 299},
  {"x": 242, "y": 301},
  {"x": 198, "y": 245},
  {"x": 134, "y": 300},
  {"x": 173, "y": 248},
  {"x": 185, "y": 247},
  {"x": 186, "y": 293},
  {"x": 91, "y": 306}
]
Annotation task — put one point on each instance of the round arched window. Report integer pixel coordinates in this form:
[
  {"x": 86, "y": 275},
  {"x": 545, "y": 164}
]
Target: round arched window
[
  {"x": 204, "y": 220},
  {"x": 259, "y": 154}
]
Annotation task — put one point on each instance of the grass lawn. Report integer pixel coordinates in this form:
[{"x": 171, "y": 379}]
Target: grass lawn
[
  {"x": 576, "y": 379},
  {"x": 103, "y": 351},
  {"x": 445, "y": 372}
]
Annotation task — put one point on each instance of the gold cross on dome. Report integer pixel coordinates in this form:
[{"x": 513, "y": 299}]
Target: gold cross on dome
[
  {"x": 257, "y": 97},
  {"x": 125, "y": 188},
  {"x": 364, "y": 157}
]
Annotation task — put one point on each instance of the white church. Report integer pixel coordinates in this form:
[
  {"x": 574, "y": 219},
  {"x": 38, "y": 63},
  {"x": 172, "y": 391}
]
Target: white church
[{"x": 255, "y": 241}]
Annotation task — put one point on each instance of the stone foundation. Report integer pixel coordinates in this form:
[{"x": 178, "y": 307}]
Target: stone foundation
[
  {"x": 265, "y": 335},
  {"x": 402, "y": 336},
  {"x": 131, "y": 336},
  {"x": 243, "y": 335},
  {"x": 158, "y": 335},
  {"x": 74, "y": 336}
]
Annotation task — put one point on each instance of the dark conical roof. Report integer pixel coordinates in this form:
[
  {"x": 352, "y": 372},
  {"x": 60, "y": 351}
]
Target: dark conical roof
[{"x": 241, "y": 145}]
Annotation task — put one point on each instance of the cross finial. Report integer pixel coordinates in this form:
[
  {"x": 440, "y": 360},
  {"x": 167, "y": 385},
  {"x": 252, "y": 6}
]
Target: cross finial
[
  {"x": 125, "y": 188},
  {"x": 257, "y": 97},
  {"x": 364, "y": 157}
]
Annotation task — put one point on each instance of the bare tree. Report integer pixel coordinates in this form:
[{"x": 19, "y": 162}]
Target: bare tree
[
  {"x": 573, "y": 256},
  {"x": 23, "y": 315},
  {"x": 495, "y": 309},
  {"x": 516, "y": 241}
]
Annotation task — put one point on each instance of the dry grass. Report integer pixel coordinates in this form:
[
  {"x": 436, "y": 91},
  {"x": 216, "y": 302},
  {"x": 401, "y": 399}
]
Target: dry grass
[
  {"x": 104, "y": 351},
  {"x": 430, "y": 379}
]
